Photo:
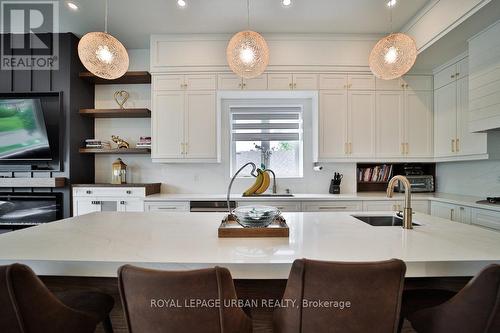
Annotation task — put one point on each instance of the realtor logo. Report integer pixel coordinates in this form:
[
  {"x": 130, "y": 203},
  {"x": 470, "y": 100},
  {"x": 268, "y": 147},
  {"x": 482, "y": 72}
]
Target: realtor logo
[{"x": 28, "y": 40}]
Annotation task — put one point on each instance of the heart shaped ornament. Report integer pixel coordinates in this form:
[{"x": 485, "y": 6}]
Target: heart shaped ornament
[{"x": 121, "y": 97}]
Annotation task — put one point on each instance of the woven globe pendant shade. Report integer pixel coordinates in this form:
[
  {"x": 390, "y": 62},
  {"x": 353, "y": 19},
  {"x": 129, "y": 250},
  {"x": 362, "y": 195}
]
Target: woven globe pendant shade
[
  {"x": 103, "y": 55},
  {"x": 247, "y": 54},
  {"x": 393, "y": 56}
]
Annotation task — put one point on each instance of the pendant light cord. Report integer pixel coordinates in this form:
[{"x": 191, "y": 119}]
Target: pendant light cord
[
  {"x": 106, "y": 17},
  {"x": 248, "y": 14},
  {"x": 390, "y": 18}
]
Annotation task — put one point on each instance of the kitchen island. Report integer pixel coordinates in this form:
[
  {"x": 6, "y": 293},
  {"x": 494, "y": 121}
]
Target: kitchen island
[{"x": 95, "y": 245}]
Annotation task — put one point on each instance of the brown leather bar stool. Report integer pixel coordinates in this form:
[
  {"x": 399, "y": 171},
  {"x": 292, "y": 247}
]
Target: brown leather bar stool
[
  {"x": 27, "y": 306},
  {"x": 373, "y": 291},
  {"x": 475, "y": 309},
  {"x": 161, "y": 301}
]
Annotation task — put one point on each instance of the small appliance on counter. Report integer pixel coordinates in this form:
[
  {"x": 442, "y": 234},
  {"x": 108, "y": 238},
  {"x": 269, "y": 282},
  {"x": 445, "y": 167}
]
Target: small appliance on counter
[{"x": 420, "y": 183}]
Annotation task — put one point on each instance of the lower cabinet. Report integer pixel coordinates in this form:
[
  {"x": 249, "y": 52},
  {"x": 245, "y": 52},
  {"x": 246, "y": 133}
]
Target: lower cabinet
[
  {"x": 166, "y": 206},
  {"x": 83, "y": 206},
  {"x": 486, "y": 218},
  {"x": 335, "y": 206},
  {"x": 452, "y": 212},
  {"x": 108, "y": 199}
]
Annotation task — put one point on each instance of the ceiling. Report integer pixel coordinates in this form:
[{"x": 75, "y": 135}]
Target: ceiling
[{"x": 132, "y": 21}]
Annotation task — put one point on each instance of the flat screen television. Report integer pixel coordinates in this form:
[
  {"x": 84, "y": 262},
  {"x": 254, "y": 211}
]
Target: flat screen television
[{"x": 23, "y": 135}]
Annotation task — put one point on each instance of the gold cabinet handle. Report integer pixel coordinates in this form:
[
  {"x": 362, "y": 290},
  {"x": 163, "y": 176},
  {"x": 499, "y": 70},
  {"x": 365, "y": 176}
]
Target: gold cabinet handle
[
  {"x": 244, "y": 85},
  {"x": 346, "y": 149},
  {"x": 402, "y": 85},
  {"x": 457, "y": 75},
  {"x": 457, "y": 145},
  {"x": 291, "y": 85},
  {"x": 350, "y": 147},
  {"x": 452, "y": 211},
  {"x": 186, "y": 147},
  {"x": 453, "y": 145},
  {"x": 240, "y": 85},
  {"x": 402, "y": 148},
  {"x": 295, "y": 85},
  {"x": 407, "y": 145},
  {"x": 453, "y": 76},
  {"x": 182, "y": 148}
]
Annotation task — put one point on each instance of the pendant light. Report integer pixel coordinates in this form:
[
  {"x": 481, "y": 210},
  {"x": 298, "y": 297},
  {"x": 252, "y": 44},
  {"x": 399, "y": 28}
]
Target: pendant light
[
  {"x": 102, "y": 54},
  {"x": 247, "y": 52},
  {"x": 393, "y": 56}
]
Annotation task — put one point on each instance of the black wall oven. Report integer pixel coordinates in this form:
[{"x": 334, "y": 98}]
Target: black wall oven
[{"x": 21, "y": 210}]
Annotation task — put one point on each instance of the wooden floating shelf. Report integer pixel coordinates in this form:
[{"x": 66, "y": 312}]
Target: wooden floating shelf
[
  {"x": 116, "y": 113},
  {"x": 136, "y": 77},
  {"x": 115, "y": 151},
  {"x": 33, "y": 182}
]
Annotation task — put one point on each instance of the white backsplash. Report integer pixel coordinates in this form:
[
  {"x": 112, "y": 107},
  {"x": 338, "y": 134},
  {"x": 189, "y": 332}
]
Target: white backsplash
[{"x": 476, "y": 178}]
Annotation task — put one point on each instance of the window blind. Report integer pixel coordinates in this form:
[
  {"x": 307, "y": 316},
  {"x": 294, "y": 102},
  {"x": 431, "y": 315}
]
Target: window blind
[{"x": 266, "y": 123}]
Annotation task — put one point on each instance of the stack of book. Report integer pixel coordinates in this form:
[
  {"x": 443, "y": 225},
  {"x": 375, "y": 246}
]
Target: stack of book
[
  {"x": 97, "y": 144},
  {"x": 144, "y": 142},
  {"x": 379, "y": 173}
]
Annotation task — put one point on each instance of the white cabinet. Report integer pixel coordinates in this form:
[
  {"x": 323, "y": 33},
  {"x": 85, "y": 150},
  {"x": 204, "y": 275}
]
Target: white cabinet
[
  {"x": 333, "y": 124},
  {"x": 404, "y": 124},
  {"x": 234, "y": 82},
  {"x": 418, "y": 124},
  {"x": 420, "y": 206},
  {"x": 407, "y": 82},
  {"x": 185, "y": 122},
  {"x": 332, "y": 206},
  {"x": 361, "y": 124},
  {"x": 185, "y": 82},
  {"x": 451, "y": 131},
  {"x": 166, "y": 206},
  {"x": 287, "y": 81},
  {"x": 486, "y": 218},
  {"x": 346, "y": 124},
  {"x": 346, "y": 81},
  {"x": 107, "y": 199},
  {"x": 451, "y": 212}
]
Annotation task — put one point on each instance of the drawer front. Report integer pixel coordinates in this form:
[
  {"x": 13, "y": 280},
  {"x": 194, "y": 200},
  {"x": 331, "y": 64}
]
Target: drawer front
[
  {"x": 121, "y": 192},
  {"x": 328, "y": 206},
  {"x": 305, "y": 81},
  {"x": 284, "y": 206},
  {"x": 174, "y": 206},
  {"x": 279, "y": 81},
  {"x": 486, "y": 218},
  {"x": 168, "y": 82}
]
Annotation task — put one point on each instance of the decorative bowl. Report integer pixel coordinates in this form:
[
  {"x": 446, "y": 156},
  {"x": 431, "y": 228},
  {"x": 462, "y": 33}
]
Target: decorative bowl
[{"x": 256, "y": 216}]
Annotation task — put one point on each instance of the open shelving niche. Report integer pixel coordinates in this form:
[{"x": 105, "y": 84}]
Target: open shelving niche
[
  {"x": 397, "y": 169},
  {"x": 133, "y": 77}
]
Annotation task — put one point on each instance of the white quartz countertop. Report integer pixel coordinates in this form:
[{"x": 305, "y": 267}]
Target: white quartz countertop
[
  {"x": 364, "y": 196},
  {"x": 97, "y": 244}
]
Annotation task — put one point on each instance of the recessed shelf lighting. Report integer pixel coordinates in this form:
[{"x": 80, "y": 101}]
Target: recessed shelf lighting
[
  {"x": 72, "y": 5},
  {"x": 392, "y": 3},
  {"x": 286, "y": 3},
  {"x": 181, "y": 3}
]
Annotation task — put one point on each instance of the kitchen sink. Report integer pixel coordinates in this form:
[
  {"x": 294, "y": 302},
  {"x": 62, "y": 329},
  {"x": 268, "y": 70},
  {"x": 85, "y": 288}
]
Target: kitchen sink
[{"x": 382, "y": 221}]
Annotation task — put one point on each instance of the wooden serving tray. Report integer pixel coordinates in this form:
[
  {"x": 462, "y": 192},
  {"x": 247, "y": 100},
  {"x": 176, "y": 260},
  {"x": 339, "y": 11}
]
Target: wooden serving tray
[{"x": 231, "y": 229}]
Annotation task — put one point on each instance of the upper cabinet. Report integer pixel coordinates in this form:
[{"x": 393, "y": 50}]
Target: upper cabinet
[
  {"x": 484, "y": 80},
  {"x": 358, "y": 120},
  {"x": 185, "y": 119},
  {"x": 234, "y": 82},
  {"x": 286, "y": 81},
  {"x": 453, "y": 139}
]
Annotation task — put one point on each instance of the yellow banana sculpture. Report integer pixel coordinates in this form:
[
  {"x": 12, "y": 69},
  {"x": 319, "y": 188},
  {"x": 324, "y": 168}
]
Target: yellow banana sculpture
[
  {"x": 265, "y": 183},
  {"x": 257, "y": 184}
]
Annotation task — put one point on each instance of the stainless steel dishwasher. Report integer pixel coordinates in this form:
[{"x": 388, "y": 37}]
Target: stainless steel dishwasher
[{"x": 211, "y": 206}]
